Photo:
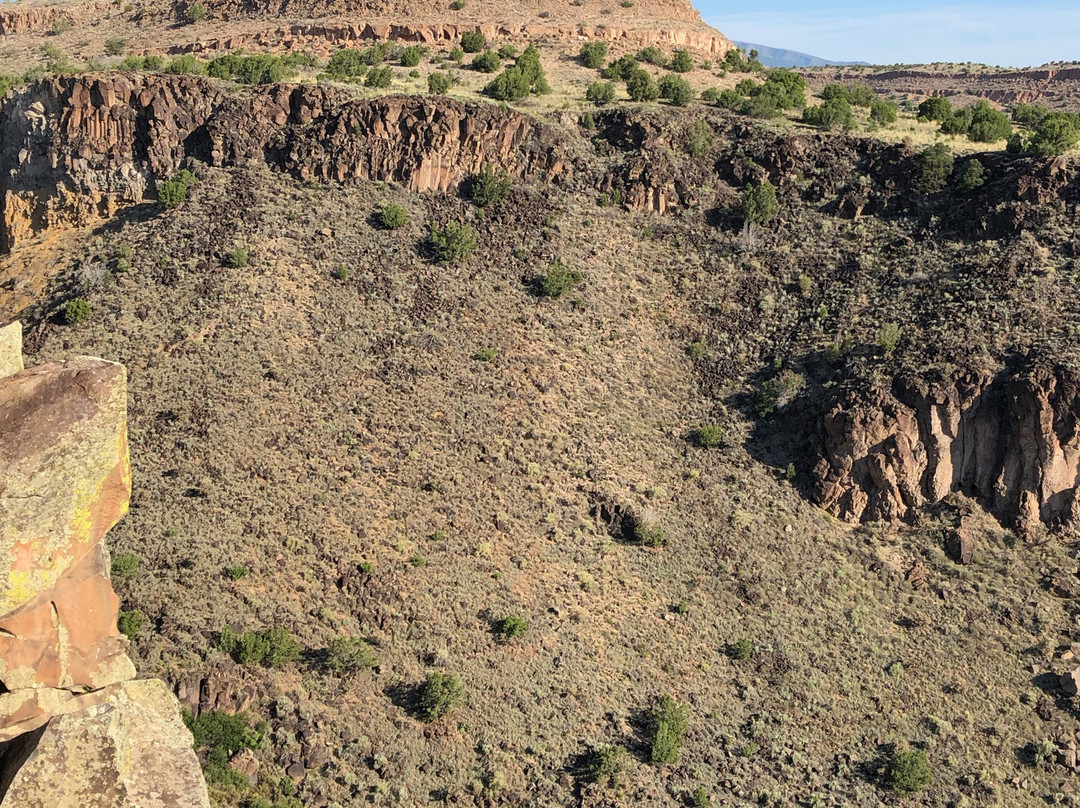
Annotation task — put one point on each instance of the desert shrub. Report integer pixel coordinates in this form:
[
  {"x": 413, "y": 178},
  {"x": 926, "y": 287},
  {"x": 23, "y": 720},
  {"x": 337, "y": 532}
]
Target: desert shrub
[
  {"x": 652, "y": 55},
  {"x": 174, "y": 192},
  {"x": 511, "y": 626},
  {"x": 77, "y": 311},
  {"x": 641, "y": 87},
  {"x": 700, "y": 798},
  {"x": 741, "y": 649},
  {"x": 410, "y": 55},
  {"x": 124, "y": 566},
  {"x": 489, "y": 187},
  {"x": 237, "y": 259},
  {"x": 186, "y": 65},
  {"x": 592, "y": 54},
  {"x": 558, "y": 280},
  {"x": 222, "y": 735},
  {"x": 883, "y": 112},
  {"x": 440, "y": 694},
  {"x": 980, "y": 122},
  {"x": 115, "y": 46},
  {"x": 261, "y": 68},
  {"x": 682, "y": 62},
  {"x": 196, "y": 12},
  {"x": 486, "y": 62},
  {"x": 393, "y": 216},
  {"x": 473, "y": 42},
  {"x": 699, "y": 138},
  {"x": 131, "y": 623},
  {"x": 676, "y": 89},
  {"x": 414, "y": 74},
  {"x": 729, "y": 100},
  {"x": 507, "y": 51},
  {"x": 710, "y": 95},
  {"x": 936, "y": 109},
  {"x": 973, "y": 175},
  {"x": 350, "y": 654},
  {"x": 379, "y": 77},
  {"x": 889, "y": 337},
  {"x": 154, "y": 62},
  {"x": 452, "y": 243},
  {"x": 935, "y": 165},
  {"x": 456, "y": 54},
  {"x": 457, "y": 5},
  {"x": 1030, "y": 115},
  {"x": 860, "y": 95},
  {"x": 709, "y": 436},
  {"x": 234, "y": 572},
  {"x": 485, "y": 355},
  {"x": 621, "y": 68},
  {"x": 909, "y": 772},
  {"x": 273, "y": 647},
  {"x": 1056, "y": 133},
  {"x": 648, "y": 532},
  {"x": 835, "y": 113},
  {"x": 600, "y": 93},
  {"x": 759, "y": 205},
  {"x": 341, "y": 273},
  {"x": 604, "y": 765},
  {"x": 346, "y": 63},
  {"x": 516, "y": 83},
  {"x": 439, "y": 82},
  {"x": 779, "y": 391},
  {"x": 667, "y": 724}
]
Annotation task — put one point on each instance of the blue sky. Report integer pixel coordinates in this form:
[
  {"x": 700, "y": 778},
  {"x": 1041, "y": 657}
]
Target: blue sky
[{"x": 994, "y": 32}]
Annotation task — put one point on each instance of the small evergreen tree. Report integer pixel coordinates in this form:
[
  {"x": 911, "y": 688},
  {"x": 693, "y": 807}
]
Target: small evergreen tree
[
  {"x": 759, "y": 204},
  {"x": 600, "y": 93},
  {"x": 592, "y": 54}
]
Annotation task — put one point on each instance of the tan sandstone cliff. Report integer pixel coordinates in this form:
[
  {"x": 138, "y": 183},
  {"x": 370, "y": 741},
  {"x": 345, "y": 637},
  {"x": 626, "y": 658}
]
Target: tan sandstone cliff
[{"x": 76, "y": 730}]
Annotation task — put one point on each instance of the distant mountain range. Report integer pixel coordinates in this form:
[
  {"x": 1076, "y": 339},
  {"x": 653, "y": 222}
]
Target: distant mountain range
[{"x": 778, "y": 57}]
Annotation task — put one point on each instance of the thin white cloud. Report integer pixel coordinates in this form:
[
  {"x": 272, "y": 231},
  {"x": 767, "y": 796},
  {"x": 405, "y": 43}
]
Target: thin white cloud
[{"x": 952, "y": 33}]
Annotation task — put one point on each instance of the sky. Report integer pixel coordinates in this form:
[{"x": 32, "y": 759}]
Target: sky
[{"x": 993, "y": 32}]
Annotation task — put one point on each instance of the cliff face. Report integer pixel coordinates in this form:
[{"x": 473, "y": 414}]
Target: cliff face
[
  {"x": 77, "y": 149},
  {"x": 1008, "y": 439},
  {"x": 74, "y": 729}
]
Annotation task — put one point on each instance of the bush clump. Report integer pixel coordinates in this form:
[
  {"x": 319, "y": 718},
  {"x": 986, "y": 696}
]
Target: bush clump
[
  {"x": 909, "y": 772},
  {"x": 526, "y": 76},
  {"x": 972, "y": 176},
  {"x": 379, "y": 77},
  {"x": 621, "y": 68},
  {"x": 558, "y": 280},
  {"x": 592, "y": 54},
  {"x": 709, "y": 437},
  {"x": 640, "y": 86},
  {"x": 1055, "y": 134},
  {"x": 473, "y": 42},
  {"x": 77, "y": 311},
  {"x": 452, "y": 243},
  {"x": 218, "y": 736},
  {"x": 604, "y": 765},
  {"x": 682, "y": 62},
  {"x": 261, "y": 68},
  {"x": 124, "y": 566},
  {"x": 350, "y": 654},
  {"x": 487, "y": 62},
  {"x": 273, "y": 647},
  {"x": 676, "y": 89},
  {"x": 652, "y": 55},
  {"x": 173, "y": 193},
  {"x": 935, "y": 109},
  {"x": 393, "y": 216},
  {"x": 759, "y": 204},
  {"x": 237, "y": 259},
  {"x": 600, "y": 93},
  {"x": 667, "y": 724},
  {"x": 980, "y": 122},
  {"x": 833, "y": 113},
  {"x": 131, "y": 623},
  {"x": 741, "y": 649},
  {"x": 410, "y": 55},
  {"x": 186, "y": 65},
  {"x": 935, "y": 165},
  {"x": 440, "y": 694},
  {"x": 511, "y": 626},
  {"x": 489, "y": 187},
  {"x": 438, "y": 83}
]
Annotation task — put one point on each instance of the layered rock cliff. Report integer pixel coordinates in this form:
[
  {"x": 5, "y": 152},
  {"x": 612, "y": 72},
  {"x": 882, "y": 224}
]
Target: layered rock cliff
[
  {"x": 75, "y": 729},
  {"x": 1008, "y": 439}
]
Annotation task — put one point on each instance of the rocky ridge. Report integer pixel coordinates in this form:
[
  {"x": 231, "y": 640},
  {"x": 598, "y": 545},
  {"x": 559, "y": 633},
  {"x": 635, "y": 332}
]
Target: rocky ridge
[{"x": 76, "y": 729}]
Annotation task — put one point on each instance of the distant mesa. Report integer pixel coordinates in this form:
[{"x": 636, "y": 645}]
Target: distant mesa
[{"x": 778, "y": 57}]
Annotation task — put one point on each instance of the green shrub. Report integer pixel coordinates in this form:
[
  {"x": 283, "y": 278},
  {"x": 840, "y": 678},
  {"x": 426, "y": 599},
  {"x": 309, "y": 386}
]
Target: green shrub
[
  {"x": 456, "y": 54},
  {"x": 936, "y": 109},
  {"x": 525, "y": 77},
  {"x": 834, "y": 113},
  {"x": 710, "y": 95},
  {"x": 439, "y": 82},
  {"x": 486, "y": 62},
  {"x": 973, "y": 176},
  {"x": 935, "y": 165},
  {"x": 592, "y": 54},
  {"x": 457, "y": 5},
  {"x": 1056, "y": 133},
  {"x": 452, "y": 243},
  {"x": 909, "y": 772},
  {"x": 196, "y": 12},
  {"x": 379, "y": 77},
  {"x": 621, "y": 68},
  {"x": 558, "y": 280},
  {"x": 889, "y": 337},
  {"x": 350, "y": 63},
  {"x": 641, "y": 87},
  {"x": 124, "y": 566},
  {"x": 759, "y": 205},
  {"x": 186, "y": 65},
  {"x": 709, "y": 437},
  {"x": 742, "y": 649},
  {"x": 115, "y": 46},
  {"x": 667, "y": 724},
  {"x": 649, "y": 533},
  {"x": 980, "y": 122},
  {"x": 779, "y": 391},
  {"x": 729, "y": 100},
  {"x": 77, "y": 311},
  {"x": 485, "y": 355},
  {"x": 234, "y": 572},
  {"x": 341, "y": 273},
  {"x": 131, "y": 624},
  {"x": 600, "y": 93},
  {"x": 507, "y": 51},
  {"x": 604, "y": 765},
  {"x": 393, "y": 216},
  {"x": 273, "y": 647},
  {"x": 682, "y": 62},
  {"x": 262, "y": 68},
  {"x": 237, "y": 259},
  {"x": 473, "y": 42},
  {"x": 440, "y": 694},
  {"x": 676, "y": 89},
  {"x": 222, "y": 735},
  {"x": 652, "y": 55},
  {"x": 511, "y": 626},
  {"x": 350, "y": 654},
  {"x": 883, "y": 112},
  {"x": 700, "y": 798},
  {"x": 1029, "y": 114},
  {"x": 699, "y": 138},
  {"x": 410, "y": 55},
  {"x": 489, "y": 187}
]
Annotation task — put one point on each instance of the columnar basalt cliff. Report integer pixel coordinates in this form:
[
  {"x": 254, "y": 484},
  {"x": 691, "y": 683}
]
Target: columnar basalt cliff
[
  {"x": 75, "y": 730},
  {"x": 77, "y": 149},
  {"x": 1008, "y": 439}
]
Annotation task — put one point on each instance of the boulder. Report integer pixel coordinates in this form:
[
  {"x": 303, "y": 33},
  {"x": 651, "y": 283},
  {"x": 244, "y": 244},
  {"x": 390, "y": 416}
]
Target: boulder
[
  {"x": 1070, "y": 682},
  {"x": 11, "y": 360},
  {"x": 960, "y": 545}
]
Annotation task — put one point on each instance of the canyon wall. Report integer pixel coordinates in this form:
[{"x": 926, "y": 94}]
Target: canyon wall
[
  {"x": 76, "y": 729},
  {"x": 1008, "y": 439}
]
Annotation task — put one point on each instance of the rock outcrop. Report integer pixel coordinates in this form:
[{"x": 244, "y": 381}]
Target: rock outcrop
[
  {"x": 74, "y": 730},
  {"x": 76, "y": 149},
  {"x": 1008, "y": 439}
]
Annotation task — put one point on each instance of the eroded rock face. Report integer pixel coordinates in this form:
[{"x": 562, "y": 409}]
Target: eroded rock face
[
  {"x": 1008, "y": 439},
  {"x": 73, "y": 730},
  {"x": 76, "y": 149}
]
